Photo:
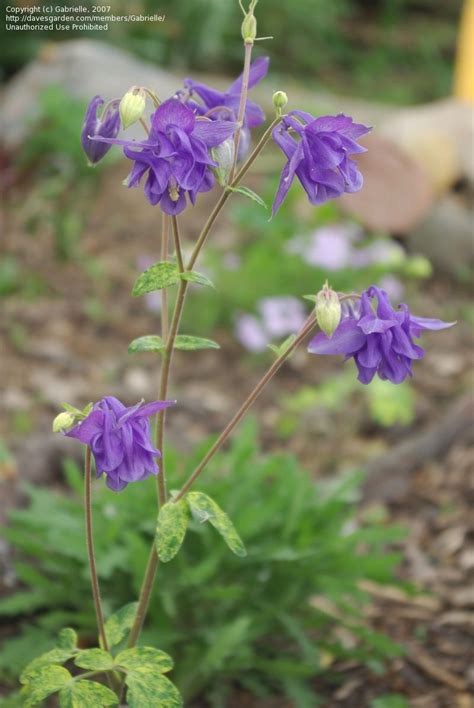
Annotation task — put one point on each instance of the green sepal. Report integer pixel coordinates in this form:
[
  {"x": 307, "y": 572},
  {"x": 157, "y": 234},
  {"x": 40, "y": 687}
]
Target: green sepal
[
  {"x": 158, "y": 276},
  {"x": 193, "y": 277},
  {"x": 311, "y": 298},
  {"x": 120, "y": 623},
  {"x": 147, "y": 343},
  {"x": 98, "y": 659},
  {"x": 86, "y": 694},
  {"x": 205, "y": 509},
  {"x": 137, "y": 657},
  {"x": 250, "y": 194},
  {"x": 43, "y": 682},
  {"x": 147, "y": 688},
  {"x": 187, "y": 343},
  {"x": 171, "y": 529}
]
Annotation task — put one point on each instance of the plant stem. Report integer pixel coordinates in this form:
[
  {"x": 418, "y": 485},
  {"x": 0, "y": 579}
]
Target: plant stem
[
  {"x": 177, "y": 244},
  {"x": 144, "y": 599},
  {"x": 90, "y": 550},
  {"x": 165, "y": 222},
  {"x": 251, "y": 398},
  {"x": 242, "y": 105},
  {"x": 150, "y": 572}
]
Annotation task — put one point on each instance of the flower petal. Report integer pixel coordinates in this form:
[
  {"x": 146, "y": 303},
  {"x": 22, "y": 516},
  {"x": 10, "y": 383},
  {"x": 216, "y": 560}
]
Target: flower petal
[{"x": 347, "y": 339}]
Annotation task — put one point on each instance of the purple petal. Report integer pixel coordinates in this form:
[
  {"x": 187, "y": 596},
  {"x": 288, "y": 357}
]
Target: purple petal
[
  {"x": 151, "y": 408},
  {"x": 173, "y": 113},
  {"x": 211, "y": 97},
  {"x": 258, "y": 71},
  {"x": 347, "y": 339},
  {"x": 214, "y": 132},
  {"x": 86, "y": 430},
  {"x": 428, "y": 323}
]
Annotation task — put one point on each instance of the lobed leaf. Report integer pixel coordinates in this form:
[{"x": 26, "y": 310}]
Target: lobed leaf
[
  {"x": 171, "y": 529},
  {"x": 158, "y": 276},
  {"x": 187, "y": 343},
  {"x": 50, "y": 658},
  {"x": 120, "y": 623},
  {"x": 147, "y": 688},
  {"x": 67, "y": 639},
  {"x": 43, "y": 682},
  {"x": 86, "y": 694},
  {"x": 98, "y": 659},
  {"x": 206, "y": 509},
  {"x": 193, "y": 277},
  {"x": 137, "y": 657},
  {"x": 148, "y": 343}
]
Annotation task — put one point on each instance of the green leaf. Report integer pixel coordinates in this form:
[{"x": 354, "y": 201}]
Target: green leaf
[
  {"x": 250, "y": 194},
  {"x": 44, "y": 682},
  {"x": 280, "y": 349},
  {"x": 137, "y": 657},
  {"x": 86, "y": 694},
  {"x": 187, "y": 343},
  {"x": 67, "y": 639},
  {"x": 158, "y": 276},
  {"x": 149, "y": 689},
  {"x": 120, "y": 623},
  {"x": 171, "y": 529},
  {"x": 193, "y": 277},
  {"x": 94, "y": 659},
  {"x": 148, "y": 343},
  {"x": 206, "y": 509},
  {"x": 55, "y": 656}
]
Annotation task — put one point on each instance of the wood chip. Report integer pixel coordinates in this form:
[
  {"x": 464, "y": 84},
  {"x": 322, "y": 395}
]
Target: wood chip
[{"x": 432, "y": 668}]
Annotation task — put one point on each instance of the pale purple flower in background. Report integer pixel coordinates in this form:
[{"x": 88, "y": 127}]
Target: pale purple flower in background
[
  {"x": 392, "y": 286},
  {"x": 329, "y": 247},
  {"x": 250, "y": 333},
  {"x": 231, "y": 261},
  {"x": 281, "y": 315},
  {"x": 378, "y": 252}
]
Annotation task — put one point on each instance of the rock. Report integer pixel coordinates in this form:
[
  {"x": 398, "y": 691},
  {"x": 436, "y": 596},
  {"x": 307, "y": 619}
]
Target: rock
[
  {"x": 396, "y": 194},
  {"x": 83, "y": 68},
  {"x": 445, "y": 236},
  {"x": 440, "y": 136}
]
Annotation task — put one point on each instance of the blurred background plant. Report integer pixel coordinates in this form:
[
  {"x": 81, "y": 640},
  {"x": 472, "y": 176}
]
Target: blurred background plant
[
  {"x": 271, "y": 623},
  {"x": 398, "y": 50}
]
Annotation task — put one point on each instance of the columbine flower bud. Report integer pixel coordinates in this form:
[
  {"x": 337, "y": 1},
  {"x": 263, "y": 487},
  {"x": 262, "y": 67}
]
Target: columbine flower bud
[
  {"x": 249, "y": 25},
  {"x": 328, "y": 310},
  {"x": 132, "y": 106},
  {"x": 280, "y": 99},
  {"x": 63, "y": 422},
  {"x": 223, "y": 154}
]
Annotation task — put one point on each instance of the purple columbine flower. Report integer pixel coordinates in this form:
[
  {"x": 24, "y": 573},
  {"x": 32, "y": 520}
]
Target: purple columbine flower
[
  {"x": 320, "y": 156},
  {"x": 380, "y": 341},
  {"x": 120, "y": 441},
  {"x": 225, "y": 104},
  {"x": 229, "y": 100},
  {"x": 175, "y": 155},
  {"x": 107, "y": 126}
]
